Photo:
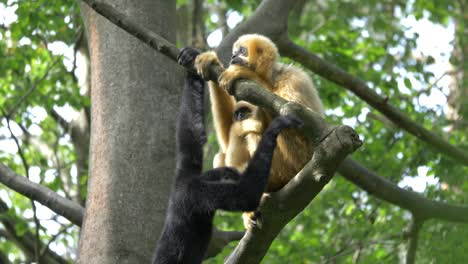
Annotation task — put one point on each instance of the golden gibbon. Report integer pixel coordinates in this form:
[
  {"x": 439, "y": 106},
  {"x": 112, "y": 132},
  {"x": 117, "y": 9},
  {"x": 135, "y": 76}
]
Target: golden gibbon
[{"x": 239, "y": 125}]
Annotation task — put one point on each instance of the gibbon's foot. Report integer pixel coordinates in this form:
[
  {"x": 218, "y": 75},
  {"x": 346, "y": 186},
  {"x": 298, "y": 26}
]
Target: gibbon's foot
[
  {"x": 252, "y": 220},
  {"x": 203, "y": 63}
]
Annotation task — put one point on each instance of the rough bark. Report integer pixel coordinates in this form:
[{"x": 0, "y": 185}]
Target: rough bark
[{"x": 134, "y": 95}]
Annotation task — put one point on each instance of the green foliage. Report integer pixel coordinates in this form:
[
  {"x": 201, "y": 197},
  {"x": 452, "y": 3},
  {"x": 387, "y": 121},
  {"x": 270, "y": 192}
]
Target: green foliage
[
  {"x": 369, "y": 39},
  {"x": 36, "y": 78}
]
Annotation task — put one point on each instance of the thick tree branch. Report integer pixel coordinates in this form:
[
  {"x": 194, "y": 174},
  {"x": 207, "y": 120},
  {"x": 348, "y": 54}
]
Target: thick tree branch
[
  {"x": 360, "y": 88},
  {"x": 64, "y": 207},
  {"x": 390, "y": 192},
  {"x": 278, "y": 208},
  {"x": 147, "y": 36}
]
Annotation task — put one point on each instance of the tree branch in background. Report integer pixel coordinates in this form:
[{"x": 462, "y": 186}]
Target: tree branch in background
[
  {"x": 62, "y": 231},
  {"x": 413, "y": 237},
  {"x": 384, "y": 189},
  {"x": 26, "y": 169},
  {"x": 60, "y": 120},
  {"x": 26, "y": 241},
  {"x": 78, "y": 129},
  {"x": 220, "y": 239},
  {"x": 359, "y": 87},
  {"x": 60, "y": 205}
]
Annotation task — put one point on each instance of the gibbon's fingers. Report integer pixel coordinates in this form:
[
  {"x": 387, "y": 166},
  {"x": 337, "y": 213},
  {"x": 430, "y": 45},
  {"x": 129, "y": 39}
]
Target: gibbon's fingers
[
  {"x": 291, "y": 120},
  {"x": 203, "y": 63},
  {"x": 286, "y": 121},
  {"x": 187, "y": 56}
]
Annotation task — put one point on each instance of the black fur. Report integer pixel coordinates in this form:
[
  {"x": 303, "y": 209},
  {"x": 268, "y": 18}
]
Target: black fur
[{"x": 196, "y": 196}]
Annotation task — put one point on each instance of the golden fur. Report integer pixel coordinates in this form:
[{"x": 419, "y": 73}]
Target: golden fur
[{"x": 238, "y": 140}]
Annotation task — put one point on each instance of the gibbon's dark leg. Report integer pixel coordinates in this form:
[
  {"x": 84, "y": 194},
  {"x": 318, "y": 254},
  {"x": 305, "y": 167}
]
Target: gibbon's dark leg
[
  {"x": 190, "y": 135},
  {"x": 245, "y": 194}
]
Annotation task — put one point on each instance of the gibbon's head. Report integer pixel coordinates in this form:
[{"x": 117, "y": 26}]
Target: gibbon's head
[
  {"x": 256, "y": 52},
  {"x": 247, "y": 119}
]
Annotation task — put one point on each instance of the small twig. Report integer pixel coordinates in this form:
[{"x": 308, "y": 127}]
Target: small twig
[
  {"x": 322, "y": 23},
  {"x": 77, "y": 41},
  {"x": 54, "y": 237}
]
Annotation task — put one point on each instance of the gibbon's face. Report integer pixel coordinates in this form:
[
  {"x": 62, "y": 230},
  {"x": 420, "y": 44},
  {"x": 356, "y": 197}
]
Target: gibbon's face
[
  {"x": 240, "y": 56},
  {"x": 247, "y": 119},
  {"x": 256, "y": 53}
]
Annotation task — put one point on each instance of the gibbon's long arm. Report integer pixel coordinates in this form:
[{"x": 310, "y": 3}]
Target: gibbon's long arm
[
  {"x": 190, "y": 131},
  {"x": 245, "y": 194},
  {"x": 222, "y": 104}
]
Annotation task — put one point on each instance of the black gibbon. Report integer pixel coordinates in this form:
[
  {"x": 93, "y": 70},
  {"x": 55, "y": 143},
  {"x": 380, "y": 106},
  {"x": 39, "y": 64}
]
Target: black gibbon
[
  {"x": 239, "y": 125},
  {"x": 195, "y": 195}
]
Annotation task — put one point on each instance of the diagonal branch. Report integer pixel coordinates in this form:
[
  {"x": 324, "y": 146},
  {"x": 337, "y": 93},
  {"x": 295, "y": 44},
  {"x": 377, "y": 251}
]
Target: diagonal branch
[
  {"x": 384, "y": 189},
  {"x": 220, "y": 239},
  {"x": 60, "y": 205},
  {"x": 26, "y": 169},
  {"x": 279, "y": 208},
  {"x": 60, "y": 120},
  {"x": 360, "y": 88},
  {"x": 145, "y": 35}
]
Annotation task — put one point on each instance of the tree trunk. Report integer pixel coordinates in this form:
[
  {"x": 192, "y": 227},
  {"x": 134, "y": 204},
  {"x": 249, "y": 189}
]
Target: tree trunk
[{"x": 134, "y": 98}]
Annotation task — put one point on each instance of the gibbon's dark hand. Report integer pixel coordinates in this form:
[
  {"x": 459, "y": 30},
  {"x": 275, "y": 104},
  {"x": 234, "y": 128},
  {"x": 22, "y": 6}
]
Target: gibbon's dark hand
[
  {"x": 187, "y": 56},
  {"x": 286, "y": 121}
]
